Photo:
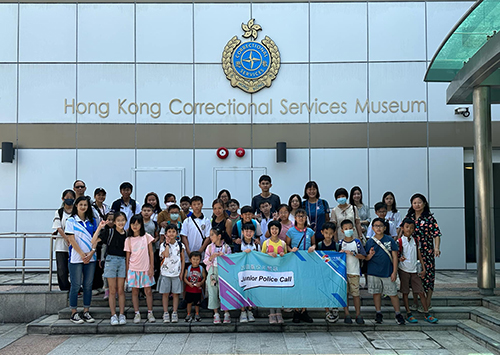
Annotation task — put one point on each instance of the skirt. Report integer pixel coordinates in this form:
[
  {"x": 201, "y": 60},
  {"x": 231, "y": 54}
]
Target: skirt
[{"x": 139, "y": 279}]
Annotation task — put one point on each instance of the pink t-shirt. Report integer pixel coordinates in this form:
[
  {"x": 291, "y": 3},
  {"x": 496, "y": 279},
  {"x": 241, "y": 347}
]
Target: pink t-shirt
[{"x": 139, "y": 252}]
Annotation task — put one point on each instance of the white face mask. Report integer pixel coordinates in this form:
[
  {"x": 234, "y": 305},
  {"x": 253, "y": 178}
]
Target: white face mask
[
  {"x": 174, "y": 216},
  {"x": 168, "y": 204},
  {"x": 349, "y": 233}
]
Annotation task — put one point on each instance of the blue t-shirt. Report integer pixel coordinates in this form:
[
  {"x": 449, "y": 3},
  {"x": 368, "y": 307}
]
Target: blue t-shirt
[
  {"x": 295, "y": 235},
  {"x": 317, "y": 215},
  {"x": 380, "y": 264}
]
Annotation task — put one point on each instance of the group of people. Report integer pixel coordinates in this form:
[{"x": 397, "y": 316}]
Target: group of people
[{"x": 175, "y": 250}]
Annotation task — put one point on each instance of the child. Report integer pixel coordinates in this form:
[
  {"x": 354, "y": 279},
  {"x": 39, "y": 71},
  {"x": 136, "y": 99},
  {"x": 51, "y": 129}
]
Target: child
[
  {"x": 328, "y": 243},
  {"x": 185, "y": 205},
  {"x": 196, "y": 229},
  {"x": 355, "y": 252},
  {"x": 274, "y": 247},
  {"x": 248, "y": 244},
  {"x": 98, "y": 206},
  {"x": 170, "y": 216},
  {"x": 140, "y": 265},
  {"x": 381, "y": 212},
  {"x": 110, "y": 223},
  {"x": 194, "y": 278},
  {"x": 113, "y": 240},
  {"x": 382, "y": 269},
  {"x": 126, "y": 204},
  {"x": 153, "y": 199},
  {"x": 409, "y": 255},
  {"x": 283, "y": 218},
  {"x": 274, "y": 200},
  {"x": 172, "y": 271},
  {"x": 151, "y": 227},
  {"x": 265, "y": 217},
  {"x": 300, "y": 237},
  {"x": 233, "y": 207},
  {"x": 215, "y": 249},
  {"x": 392, "y": 211},
  {"x": 247, "y": 216}
]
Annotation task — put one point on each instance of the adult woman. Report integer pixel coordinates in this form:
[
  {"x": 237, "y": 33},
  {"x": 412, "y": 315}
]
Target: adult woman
[
  {"x": 317, "y": 209},
  {"x": 221, "y": 221},
  {"x": 153, "y": 199},
  {"x": 61, "y": 242},
  {"x": 225, "y": 196},
  {"x": 356, "y": 199},
  {"x": 429, "y": 238},
  {"x": 80, "y": 228},
  {"x": 343, "y": 211},
  {"x": 294, "y": 202}
]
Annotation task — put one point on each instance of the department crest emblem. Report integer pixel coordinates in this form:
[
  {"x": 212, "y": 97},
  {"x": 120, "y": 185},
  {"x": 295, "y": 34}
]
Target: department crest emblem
[{"x": 251, "y": 65}]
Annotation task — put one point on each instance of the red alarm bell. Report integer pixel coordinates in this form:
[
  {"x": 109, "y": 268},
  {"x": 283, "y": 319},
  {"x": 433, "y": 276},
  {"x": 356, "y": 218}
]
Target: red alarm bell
[
  {"x": 240, "y": 152},
  {"x": 222, "y": 153}
]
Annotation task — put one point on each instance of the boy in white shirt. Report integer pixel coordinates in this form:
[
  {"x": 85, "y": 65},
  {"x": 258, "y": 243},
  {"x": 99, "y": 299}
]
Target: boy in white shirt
[
  {"x": 409, "y": 256},
  {"x": 195, "y": 230},
  {"x": 354, "y": 253},
  {"x": 381, "y": 212}
]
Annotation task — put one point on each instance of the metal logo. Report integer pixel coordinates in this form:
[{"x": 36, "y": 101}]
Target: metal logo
[{"x": 251, "y": 65}]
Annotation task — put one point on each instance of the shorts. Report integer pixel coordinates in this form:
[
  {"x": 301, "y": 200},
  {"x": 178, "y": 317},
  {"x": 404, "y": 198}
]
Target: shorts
[
  {"x": 378, "y": 285},
  {"x": 406, "y": 279},
  {"x": 193, "y": 298},
  {"x": 139, "y": 279},
  {"x": 167, "y": 284},
  {"x": 353, "y": 285},
  {"x": 114, "y": 267}
]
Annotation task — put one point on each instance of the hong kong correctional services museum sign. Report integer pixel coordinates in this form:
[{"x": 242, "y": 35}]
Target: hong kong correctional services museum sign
[{"x": 250, "y": 66}]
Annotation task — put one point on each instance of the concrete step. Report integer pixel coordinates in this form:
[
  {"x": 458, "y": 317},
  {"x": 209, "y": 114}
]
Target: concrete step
[
  {"x": 366, "y": 300},
  {"x": 481, "y": 334},
  {"x": 492, "y": 303},
  {"x": 53, "y": 325},
  {"x": 367, "y": 312},
  {"x": 487, "y": 317}
]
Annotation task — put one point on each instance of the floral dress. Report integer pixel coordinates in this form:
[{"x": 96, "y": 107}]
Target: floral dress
[{"x": 426, "y": 229}]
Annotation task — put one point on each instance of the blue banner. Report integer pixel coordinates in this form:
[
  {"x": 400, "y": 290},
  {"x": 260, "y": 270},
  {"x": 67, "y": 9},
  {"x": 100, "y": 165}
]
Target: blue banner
[{"x": 296, "y": 280}]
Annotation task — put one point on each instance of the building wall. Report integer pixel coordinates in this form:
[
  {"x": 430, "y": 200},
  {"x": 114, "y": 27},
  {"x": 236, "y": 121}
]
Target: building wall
[{"x": 330, "y": 51}]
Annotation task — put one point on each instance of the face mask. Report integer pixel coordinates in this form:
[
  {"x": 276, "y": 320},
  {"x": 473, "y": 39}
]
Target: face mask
[
  {"x": 69, "y": 201},
  {"x": 349, "y": 233},
  {"x": 342, "y": 200},
  {"x": 168, "y": 204},
  {"x": 174, "y": 216}
]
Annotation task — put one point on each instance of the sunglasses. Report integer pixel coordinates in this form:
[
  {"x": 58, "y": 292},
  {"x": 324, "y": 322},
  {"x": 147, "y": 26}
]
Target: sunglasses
[{"x": 79, "y": 187}]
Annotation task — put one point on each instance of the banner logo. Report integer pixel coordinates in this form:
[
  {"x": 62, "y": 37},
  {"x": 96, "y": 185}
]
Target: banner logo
[{"x": 251, "y": 65}]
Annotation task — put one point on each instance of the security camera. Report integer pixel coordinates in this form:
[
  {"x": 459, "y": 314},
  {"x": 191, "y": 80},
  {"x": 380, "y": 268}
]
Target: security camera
[{"x": 464, "y": 111}]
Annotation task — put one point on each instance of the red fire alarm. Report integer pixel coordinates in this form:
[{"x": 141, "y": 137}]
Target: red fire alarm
[
  {"x": 240, "y": 152},
  {"x": 222, "y": 153}
]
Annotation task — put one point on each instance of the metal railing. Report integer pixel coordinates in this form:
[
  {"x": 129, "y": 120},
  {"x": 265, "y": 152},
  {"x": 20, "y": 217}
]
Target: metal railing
[{"x": 23, "y": 259}]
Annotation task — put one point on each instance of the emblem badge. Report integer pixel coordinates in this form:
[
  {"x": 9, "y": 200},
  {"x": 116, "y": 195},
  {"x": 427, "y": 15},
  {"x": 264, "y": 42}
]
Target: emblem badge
[{"x": 251, "y": 65}]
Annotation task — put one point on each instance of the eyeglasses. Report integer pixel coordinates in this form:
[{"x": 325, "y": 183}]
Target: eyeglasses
[
  {"x": 79, "y": 187},
  {"x": 378, "y": 226}
]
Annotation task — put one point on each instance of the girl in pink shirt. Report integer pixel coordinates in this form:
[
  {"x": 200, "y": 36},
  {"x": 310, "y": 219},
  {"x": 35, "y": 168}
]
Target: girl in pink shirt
[{"x": 140, "y": 265}]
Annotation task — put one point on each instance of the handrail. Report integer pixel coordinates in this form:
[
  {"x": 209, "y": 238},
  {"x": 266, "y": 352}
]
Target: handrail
[{"x": 24, "y": 236}]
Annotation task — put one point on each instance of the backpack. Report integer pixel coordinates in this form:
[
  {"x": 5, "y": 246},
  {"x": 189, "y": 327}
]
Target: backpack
[
  {"x": 239, "y": 223},
  {"x": 60, "y": 212},
  {"x": 116, "y": 206},
  {"x": 400, "y": 243}
]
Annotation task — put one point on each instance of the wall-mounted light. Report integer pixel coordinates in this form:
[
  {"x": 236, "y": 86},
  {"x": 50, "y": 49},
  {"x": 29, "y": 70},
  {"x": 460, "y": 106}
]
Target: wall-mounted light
[
  {"x": 7, "y": 152},
  {"x": 281, "y": 152}
]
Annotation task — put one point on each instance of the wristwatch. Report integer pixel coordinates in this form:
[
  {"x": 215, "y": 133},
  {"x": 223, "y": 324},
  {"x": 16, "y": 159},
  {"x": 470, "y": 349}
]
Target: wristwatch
[
  {"x": 93, "y": 249},
  {"x": 354, "y": 253}
]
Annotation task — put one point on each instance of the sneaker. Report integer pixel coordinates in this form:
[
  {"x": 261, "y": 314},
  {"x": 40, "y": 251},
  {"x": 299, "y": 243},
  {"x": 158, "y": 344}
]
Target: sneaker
[
  {"x": 399, "y": 319},
  {"x": 430, "y": 308},
  {"x": 87, "y": 317},
  {"x": 420, "y": 309},
  {"x": 296, "y": 317},
  {"x": 379, "y": 318},
  {"x": 329, "y": 317},
  {"x": 227, "y": 318},
  {"x": 413, "y": 307},
  {"x": 175, "y": 317},
  {"x": 430, "y": 319},
  {"x": 279, "y": 318},
  {"x": 360, "y": 320},
  {"x": 137, "y": 318},
  {"x": 189, "y": 318},
  {"x": 411, "y": 319},
  {"x": 197, "y": 318},
  {"x": 106, "y": 294},
  {"x": 273, "y": 319},
  {"x": 243, "y": 317},
  {"x": 122, "y": 319},
  {"x": 114, "y": 320},
  {"x": 75, "y": 318},
  {"x": 216, "y": 318},
  {"x": 95, "y": 292},
  {"x": 151, "y": 317},
  {"x": 250, "y": 316},
  {"x": 335, "y": 314},
  {"x": 305, "y": 317},
  {"x": 166, "y": 317},
  {"x": 348, "y": 320}
]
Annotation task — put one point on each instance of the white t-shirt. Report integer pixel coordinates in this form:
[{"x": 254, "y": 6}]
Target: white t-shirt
[
  {"x": 410, "y": 254},
  {"x": 392, "y": 231},
  {"x": 395, "y": 218},
  {"x": 75, "y": 226},
  {"x": 60, "y": 243},
  {"x": 105, "y": 209},
  {"x": 352, "y": 263},
  {"x": 171, "y": 266},
  {"x": 251, "y": 246},
  {"x": 191, "y": 231}
]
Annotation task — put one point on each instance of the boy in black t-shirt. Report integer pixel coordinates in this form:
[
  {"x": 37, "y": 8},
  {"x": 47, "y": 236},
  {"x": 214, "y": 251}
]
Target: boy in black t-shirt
[{"x": 265, "y": 185}]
